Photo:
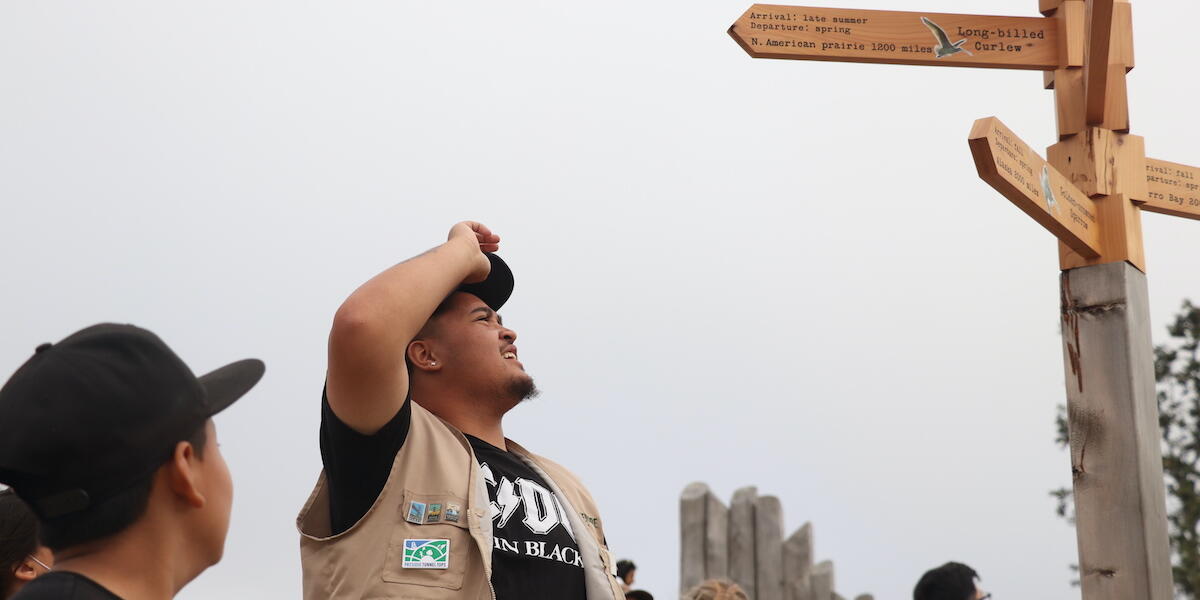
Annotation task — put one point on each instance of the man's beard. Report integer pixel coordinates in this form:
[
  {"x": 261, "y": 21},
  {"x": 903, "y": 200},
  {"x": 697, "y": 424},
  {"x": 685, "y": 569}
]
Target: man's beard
[{"x": 521, "y": 388}]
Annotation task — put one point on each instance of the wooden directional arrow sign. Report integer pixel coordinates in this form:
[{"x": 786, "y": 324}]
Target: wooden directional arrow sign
[
  {"x": 907, "y": 38},
  {"x": 1011, "y": 167},
  {"x": 1174, "y": 189}
]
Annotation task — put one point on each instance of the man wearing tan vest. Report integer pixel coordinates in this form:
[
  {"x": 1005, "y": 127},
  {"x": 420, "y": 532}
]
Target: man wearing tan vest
[{"x": 422, "y": 496}]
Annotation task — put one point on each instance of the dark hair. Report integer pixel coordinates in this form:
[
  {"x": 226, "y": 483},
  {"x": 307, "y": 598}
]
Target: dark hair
[
  {"x": 112, "y": 515},
  {"x": 624, "y": 566},
  {"x": 951, "y": 581},
  {"x": 18, "y": 537},
  {"x": 427, "y": 329},
  {"x": 638, "y": 595}
]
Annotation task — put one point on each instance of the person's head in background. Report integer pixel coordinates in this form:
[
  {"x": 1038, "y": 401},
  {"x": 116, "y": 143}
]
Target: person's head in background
[
  {"x": 108, "y": 438},
  {"x": 951, "y": 581},
  {"x": 21, "y": 556},
  {"x": 625, "y": 572},
  {"x": 638, "y": 595},
  {"x": 716, "y": 589}
]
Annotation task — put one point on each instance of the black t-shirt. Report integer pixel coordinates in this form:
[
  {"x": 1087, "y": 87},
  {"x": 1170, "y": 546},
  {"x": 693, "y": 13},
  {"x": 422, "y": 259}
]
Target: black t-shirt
[
  {"x": 64, "y": 585},
  {"x": 534, "y": 552},
  {"x": 533, "y": 548}
]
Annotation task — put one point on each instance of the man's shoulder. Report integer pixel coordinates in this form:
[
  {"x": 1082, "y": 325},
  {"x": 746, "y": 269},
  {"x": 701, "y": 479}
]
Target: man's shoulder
[{"x": 64, "y": 585}]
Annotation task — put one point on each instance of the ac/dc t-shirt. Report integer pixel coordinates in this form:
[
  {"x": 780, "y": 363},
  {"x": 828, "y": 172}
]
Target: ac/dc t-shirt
[
  {"x": 534, "y": 552},
  {"x": 64, "y": 585},
  {"x": 533, "y": 547}
]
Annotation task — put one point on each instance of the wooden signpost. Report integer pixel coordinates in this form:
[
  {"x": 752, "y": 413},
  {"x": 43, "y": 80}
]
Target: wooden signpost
[
  {"x": 1089, "y": 192},
  {"x": 906, "y": 38}
]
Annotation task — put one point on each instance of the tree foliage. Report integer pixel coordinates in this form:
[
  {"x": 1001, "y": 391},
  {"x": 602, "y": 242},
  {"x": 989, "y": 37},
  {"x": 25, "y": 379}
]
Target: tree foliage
[{"x": 1177, "y": 371}]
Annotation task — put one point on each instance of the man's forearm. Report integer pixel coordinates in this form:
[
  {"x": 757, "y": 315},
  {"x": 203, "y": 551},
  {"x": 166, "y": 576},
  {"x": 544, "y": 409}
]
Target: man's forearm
[
  {"x": 390, "y": 308},
  {"x": 367, "y": 381}
]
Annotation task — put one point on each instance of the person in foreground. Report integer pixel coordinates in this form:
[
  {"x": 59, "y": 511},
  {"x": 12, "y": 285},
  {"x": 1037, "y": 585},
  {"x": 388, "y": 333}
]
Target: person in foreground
[
  {"x": 109, "y": 440},
  {"x": 21, "y": 556},
  {"x": 951, "y": 581},
  {"x": 421, "y": 495}
]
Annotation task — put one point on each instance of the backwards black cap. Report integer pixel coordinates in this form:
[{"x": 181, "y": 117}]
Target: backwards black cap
[
  {"x": 91, "y": 416},
  {"x": 495, "y": 290}
]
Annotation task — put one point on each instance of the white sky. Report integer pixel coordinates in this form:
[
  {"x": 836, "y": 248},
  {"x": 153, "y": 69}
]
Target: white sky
[{"x": 738, "y": 271}]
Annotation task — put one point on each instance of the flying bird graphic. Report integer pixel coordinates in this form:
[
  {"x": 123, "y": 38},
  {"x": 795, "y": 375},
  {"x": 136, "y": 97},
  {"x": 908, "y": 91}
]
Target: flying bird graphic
[
  {"x": 944, "y": 47},
  {"x": 1051, "y": 202}
]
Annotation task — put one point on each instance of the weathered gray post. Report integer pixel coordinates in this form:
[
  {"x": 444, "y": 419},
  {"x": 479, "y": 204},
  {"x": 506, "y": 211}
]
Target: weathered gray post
[
  {"x": 716, "y": 539},
  {"x": 741, "y": 539},
  {"x": 797, "y": 564},
  {"x": 822, "y": 581},
  {"x": 768, "y": 548},
  {"x": 692, "y": 524},
  {"x": 703, "y": 543},
  {"x": 1116, "y": 457}
]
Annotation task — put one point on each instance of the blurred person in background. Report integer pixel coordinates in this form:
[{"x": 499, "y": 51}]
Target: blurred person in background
[
  {"x": 625, "y": 573},
  {"x": 21, "y": 555},
  {"x": 716, "y": 589},
  {"x": 951, "y": 581}
]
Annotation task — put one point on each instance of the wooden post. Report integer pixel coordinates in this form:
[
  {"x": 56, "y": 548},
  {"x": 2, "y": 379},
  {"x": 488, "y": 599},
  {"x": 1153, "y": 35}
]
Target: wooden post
[
  {"x": 703, "y": 524},
  {"x": 1116, "y": 458},
  {"x": 741, "y": 539},
  {"x": 822, "y": 581},
  {"x": 768, "y": 548},
  {"x": 1089, "y": 194},
  {"x": 716, "y": 539},
  {"x": 797, "y": 564}
]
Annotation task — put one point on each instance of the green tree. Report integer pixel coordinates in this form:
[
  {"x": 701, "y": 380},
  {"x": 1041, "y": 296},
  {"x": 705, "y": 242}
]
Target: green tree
[{"x": 1177, "y": 371}]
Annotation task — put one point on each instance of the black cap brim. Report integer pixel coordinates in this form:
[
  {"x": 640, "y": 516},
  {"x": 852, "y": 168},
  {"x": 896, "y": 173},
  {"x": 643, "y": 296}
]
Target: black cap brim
[
  {"x": 230, "y": 382},
  {"x": 495, "y": 290}
]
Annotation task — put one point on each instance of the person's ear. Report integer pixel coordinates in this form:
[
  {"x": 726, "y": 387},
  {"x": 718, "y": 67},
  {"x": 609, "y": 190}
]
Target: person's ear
[
  {"x": 422, "y": 356},
  {"x": 183, "y": 476},
  {"x": 25, "y": 570}
]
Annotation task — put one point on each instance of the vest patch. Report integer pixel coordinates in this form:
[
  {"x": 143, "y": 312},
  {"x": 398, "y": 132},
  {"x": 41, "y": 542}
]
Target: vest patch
[
  {"x": 435, "y": 513},
  {"x": 416, "y": 512},
  {"x": 426, "y": 554}
]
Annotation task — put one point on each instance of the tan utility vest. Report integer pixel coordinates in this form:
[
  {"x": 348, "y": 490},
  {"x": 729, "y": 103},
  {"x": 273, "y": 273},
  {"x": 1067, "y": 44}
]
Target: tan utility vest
[{"x": 436, "y": 466}]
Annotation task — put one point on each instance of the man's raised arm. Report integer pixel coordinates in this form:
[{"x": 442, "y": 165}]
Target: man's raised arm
[{"x": 367, "y": 380}]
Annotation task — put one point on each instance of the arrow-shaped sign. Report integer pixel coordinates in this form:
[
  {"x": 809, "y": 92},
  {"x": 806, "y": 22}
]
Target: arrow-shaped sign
[
  {"x": 1011, "y": 167},
  {"x": 1174, "y": 189},
  {"x": 907, "y": 38}
]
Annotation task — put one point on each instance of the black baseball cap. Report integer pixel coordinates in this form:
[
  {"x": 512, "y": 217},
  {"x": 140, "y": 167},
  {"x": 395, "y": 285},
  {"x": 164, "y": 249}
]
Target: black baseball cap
[
  {"x": 495, "y": 290},
  {"x": 91, "y": 416}
]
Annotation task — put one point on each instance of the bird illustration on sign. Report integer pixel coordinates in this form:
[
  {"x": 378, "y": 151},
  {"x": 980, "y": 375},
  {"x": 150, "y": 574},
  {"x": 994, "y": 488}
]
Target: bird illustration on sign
[
  {"x": 945, "y": 47},
  {"x": 1051, "y": 202}
]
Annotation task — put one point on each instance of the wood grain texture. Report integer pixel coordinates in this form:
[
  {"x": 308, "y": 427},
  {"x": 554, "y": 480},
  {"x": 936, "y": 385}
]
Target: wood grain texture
[
  {"x": 823, "y": 584},
  {"x": 1068, "y": 101},
  {"x": 768, "y": 548},
  {"x": 1047, "y": 7},
  {"x": 798, "y": 563},
  {"x": 1172, "y": 189},
  {"x": 1012, "y": 168},
  {"x": 908, "y": 38},
  {"x": 741, "y": 538},
  {"x": 1106, "y": 100},
  {"x": 1110, "y": 168},
  {"x": 1116, "y": 459},
  {"x": 1072, "y": 34},
  {"x": 692, "y": 521},
  {"x": 716, "y": 538}
]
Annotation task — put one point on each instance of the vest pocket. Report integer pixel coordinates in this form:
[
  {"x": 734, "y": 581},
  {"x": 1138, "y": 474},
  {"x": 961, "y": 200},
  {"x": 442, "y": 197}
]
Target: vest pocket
[{"x": 433, "y": 552}]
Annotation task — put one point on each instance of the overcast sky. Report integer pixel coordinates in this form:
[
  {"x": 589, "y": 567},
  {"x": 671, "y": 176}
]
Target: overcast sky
[{"x": 744, "y": 272}]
